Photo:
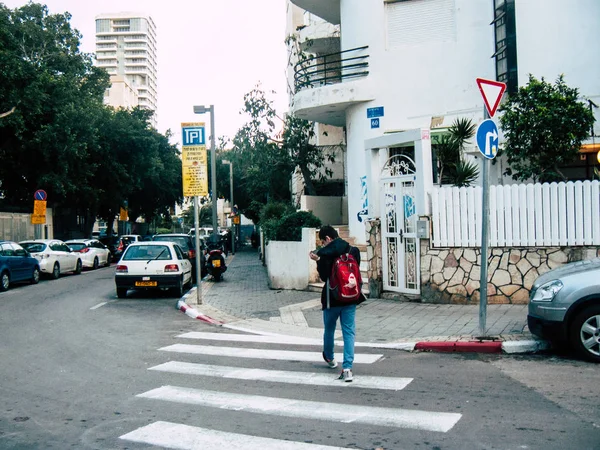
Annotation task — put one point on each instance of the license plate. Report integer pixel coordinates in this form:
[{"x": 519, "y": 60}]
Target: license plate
[
  {"x": 146, "y": 283},
  {"x": 216, "y": 263}
]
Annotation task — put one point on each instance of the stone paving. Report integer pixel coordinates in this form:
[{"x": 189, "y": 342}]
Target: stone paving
[{"x": 244, "y": 299}]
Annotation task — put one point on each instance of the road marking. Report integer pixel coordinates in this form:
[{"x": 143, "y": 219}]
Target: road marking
[
  {"x": 102, "y": 304},
  {"x": 283, "y": 376},
  {"x": 282, "y": 339},
  {"x": 185, "y": 437},
  {"x": 284, "y": 407},
  {"x": 288, "y": 355}
]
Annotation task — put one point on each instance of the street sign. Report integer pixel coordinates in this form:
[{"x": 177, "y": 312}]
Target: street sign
[
  {"x": 373, "y": 113},
  {"x": 39, "y": 208},
  {"x": 38, "y": 220},
  {"x": 40, "y": 194},
  {"x": 374, "y": 123},
  {"x": 487, "y": 138},
  {"x": 492, "y": 92},
  {"x": 194, "y": 160}
]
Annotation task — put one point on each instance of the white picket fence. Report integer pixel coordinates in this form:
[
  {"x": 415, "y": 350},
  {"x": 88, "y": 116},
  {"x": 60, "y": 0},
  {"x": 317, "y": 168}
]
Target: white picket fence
[{"x": 521, "y": 215}]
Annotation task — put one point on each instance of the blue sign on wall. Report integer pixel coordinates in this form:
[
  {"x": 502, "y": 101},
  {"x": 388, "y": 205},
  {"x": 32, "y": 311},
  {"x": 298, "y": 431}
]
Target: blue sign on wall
[
  {"x": 374, "y": 112},
  {"x": 374, "y": 123},
  {"x": 487, "y": 138}
]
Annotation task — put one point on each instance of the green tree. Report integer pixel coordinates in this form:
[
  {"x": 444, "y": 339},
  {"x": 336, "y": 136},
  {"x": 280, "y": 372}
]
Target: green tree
[
  {"x": 266, "y": 159},
  {"x": 56, "y": 93},
  {"x": 544, "y": 126}
]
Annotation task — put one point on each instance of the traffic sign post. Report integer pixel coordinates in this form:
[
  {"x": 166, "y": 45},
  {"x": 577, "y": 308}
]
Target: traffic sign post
[
  {"x": 195, "y": 182},
  {"x": 38, "y": 218},
  {"x": 487, "y": 142}
]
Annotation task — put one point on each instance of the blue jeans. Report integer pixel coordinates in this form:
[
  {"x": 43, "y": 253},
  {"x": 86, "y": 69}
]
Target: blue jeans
[{"x": 347, "y": 315}]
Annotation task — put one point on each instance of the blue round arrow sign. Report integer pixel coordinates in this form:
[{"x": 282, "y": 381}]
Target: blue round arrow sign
[
  {"x": 487, "y": 138},
  {"x": 40, "y": 194}
]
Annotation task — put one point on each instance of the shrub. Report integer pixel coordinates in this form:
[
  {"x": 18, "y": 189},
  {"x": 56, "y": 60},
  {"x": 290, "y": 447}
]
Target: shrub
[{"x": 289, "y": 227}]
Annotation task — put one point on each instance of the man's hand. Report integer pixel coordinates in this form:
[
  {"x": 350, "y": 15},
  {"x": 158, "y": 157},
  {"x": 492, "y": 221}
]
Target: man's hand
[{"x": 313, "y": 256}]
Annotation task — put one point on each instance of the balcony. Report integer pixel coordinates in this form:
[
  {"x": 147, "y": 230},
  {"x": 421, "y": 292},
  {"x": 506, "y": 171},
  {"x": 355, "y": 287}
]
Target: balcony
[
  {"x": 319, "y": 38},
  {"x": 328, "y": 10},
  {"x": 327, "y": 85}
]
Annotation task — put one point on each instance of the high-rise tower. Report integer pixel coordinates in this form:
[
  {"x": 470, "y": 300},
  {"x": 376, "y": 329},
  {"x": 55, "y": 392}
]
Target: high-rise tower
[{"x": 126, "y": 48}]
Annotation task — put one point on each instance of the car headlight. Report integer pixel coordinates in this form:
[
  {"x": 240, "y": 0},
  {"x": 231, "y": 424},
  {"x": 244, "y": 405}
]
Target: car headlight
[{"x": 547, "y": 291}]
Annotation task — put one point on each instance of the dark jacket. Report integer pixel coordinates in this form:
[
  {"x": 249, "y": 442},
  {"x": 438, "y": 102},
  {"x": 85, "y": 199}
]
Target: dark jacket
[{"x": 327, "y": 256}]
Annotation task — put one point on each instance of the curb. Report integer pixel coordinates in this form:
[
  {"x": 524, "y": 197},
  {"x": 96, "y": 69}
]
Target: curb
[
  {"x": 194, "y": 314},
  {"x": 466, "y": 347}
]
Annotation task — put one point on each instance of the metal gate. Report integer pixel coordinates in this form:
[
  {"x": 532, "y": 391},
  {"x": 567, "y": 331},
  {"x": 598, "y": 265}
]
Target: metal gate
[{"x": 399, "y": 226}]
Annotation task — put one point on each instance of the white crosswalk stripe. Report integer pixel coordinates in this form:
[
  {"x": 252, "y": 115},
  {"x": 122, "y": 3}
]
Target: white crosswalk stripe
[
  {"x": 283, "y": 376},
  {"x": 183, "y": 436},
  {"x": 240, "y": 352},
  {"x": 263, "y": 339},
  {"x": 334, "y": 412}
]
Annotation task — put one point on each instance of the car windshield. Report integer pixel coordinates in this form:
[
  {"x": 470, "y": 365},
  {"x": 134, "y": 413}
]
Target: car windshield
[
  {"x": 147, "y": 252},
  {"x": 180, "y": 240},
  {"x": 76, "y": 246},
  {"x": 34, "y": 247}
]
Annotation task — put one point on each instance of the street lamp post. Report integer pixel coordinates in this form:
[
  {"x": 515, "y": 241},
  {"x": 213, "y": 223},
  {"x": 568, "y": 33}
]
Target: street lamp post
[
  {"x": 201, "y": 109},
  {"x": 231, "y": 203}
]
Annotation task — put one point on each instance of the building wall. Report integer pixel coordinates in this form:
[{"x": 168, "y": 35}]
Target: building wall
[{"x": 424, "y": 57}]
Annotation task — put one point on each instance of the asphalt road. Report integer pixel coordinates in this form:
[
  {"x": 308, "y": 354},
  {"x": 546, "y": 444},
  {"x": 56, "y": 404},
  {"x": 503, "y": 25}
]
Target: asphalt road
[{"x": 74, "y": 374}]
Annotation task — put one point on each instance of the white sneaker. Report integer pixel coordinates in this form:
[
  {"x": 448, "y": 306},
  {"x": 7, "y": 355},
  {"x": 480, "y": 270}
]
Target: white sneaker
[
  {"x": 331, "y": 363},
  {"x": 346, "y": 375}
]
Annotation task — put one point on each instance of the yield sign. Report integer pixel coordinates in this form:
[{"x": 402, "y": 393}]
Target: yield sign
[{"x": 491, "y": 92}]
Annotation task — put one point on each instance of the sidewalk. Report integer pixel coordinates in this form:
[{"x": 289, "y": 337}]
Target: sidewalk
[{"x": 243, "y": 301}]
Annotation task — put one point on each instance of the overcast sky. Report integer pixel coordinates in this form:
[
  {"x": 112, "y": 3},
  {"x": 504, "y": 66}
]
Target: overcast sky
[{"x": 209, "y": 52}]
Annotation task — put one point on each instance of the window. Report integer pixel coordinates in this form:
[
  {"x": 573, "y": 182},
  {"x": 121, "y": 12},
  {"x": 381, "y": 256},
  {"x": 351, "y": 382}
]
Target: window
[{"x": 506, "y": 44}]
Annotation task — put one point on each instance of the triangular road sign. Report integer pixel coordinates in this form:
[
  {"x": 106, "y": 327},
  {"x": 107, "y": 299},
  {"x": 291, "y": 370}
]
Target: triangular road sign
[{"x": 492, "y": 92}]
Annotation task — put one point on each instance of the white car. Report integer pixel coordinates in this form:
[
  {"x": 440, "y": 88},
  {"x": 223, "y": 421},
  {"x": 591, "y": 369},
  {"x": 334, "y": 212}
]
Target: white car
[
  {"x": 55, "y": 257},
  {"x": 93, "y": 252},
  {"x": 153, "y": 265}
]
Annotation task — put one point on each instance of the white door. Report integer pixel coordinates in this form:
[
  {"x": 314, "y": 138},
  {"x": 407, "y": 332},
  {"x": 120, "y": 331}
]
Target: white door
[{"x": 400, "y": 246}]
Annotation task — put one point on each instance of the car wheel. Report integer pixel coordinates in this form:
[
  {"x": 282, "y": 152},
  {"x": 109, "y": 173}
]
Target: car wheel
[
  {"x": 178, "y": 291},
  {"x": 584, "y": 333},
  {"x": 95, "y": 263},
  {"x": 35, "y": 277},
  {"x": 4, "y": 281},
  {"x": 78, "y": 267},
  {"x": 121, "y": 292},
  {"x": 56, "y": 271},
  {"x": 107, "y": 260}
]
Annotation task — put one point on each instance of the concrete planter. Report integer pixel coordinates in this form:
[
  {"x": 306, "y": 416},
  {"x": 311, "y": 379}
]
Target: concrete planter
[{"x": 288, "y": 264}]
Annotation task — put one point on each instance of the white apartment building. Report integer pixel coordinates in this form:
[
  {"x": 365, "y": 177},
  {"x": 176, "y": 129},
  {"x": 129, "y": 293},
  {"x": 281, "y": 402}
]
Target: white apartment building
[
  {"x": 393, "y": 73},
  {"x": 126, "y": 48}
]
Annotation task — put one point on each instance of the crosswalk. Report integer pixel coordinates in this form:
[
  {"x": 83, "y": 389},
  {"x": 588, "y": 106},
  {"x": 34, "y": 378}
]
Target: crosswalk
[{"x": 167, "y": 434}]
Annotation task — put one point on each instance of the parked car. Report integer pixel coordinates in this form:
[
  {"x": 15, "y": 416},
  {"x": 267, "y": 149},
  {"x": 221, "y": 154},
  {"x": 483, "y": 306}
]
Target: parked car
[
  {"x": 153, "y": 265},
  {"x": 17, "y": 265},
  {"x": 112, "y": 242},
  {"x": 188, "y": 244},
  {"x": 93, "y": 252},
  {"x": 54, "y": 256},
  {"x": 564, "y": 307}
]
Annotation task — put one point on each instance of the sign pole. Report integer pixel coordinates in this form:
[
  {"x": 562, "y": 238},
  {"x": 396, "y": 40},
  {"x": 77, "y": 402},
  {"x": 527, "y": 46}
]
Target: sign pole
[
  {"x": 487, "y": 141},
  {"x": 485, "y": 208},
  {"x": 198, "y": 250}
]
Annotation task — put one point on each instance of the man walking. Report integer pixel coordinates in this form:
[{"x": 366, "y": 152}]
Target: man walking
[{"x": 333, "y": 247}]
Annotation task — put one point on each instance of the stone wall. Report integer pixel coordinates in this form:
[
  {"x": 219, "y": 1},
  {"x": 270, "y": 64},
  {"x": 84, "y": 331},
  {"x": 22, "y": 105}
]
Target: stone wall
[
  {"x": 452, "y": 275},
  {"x": 374, "y": 261}
]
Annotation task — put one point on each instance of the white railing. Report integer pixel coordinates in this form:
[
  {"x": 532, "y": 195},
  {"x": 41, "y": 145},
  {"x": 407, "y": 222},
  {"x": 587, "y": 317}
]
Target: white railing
[{"x": 521, "y": 215}]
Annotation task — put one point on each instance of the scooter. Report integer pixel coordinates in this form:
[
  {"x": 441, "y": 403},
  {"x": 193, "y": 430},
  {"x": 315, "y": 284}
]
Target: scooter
[{"x": 215, "y": 264}]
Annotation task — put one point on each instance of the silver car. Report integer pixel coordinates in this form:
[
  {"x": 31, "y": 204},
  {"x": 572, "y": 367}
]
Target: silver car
[{"x": 564, "y": 306}]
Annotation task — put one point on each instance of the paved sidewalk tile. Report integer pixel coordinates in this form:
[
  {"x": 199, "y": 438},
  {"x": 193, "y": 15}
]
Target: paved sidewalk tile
[{"x": 244, "y": 299}]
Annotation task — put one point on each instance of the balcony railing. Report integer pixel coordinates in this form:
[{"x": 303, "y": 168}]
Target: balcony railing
[{"x": 331, "y": 68}]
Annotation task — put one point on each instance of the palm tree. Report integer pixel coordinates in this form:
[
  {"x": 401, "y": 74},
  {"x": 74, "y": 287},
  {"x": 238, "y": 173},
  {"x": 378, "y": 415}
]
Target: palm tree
[{"x": 452, "y": 167}]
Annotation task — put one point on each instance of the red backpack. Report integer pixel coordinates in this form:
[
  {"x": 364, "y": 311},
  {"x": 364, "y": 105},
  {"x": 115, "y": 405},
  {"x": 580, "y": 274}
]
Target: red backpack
[{"x": 345, "y": 282}]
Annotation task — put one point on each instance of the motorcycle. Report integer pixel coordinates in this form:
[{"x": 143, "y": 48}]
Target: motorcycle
[{"x": 215, "y": 263}]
